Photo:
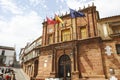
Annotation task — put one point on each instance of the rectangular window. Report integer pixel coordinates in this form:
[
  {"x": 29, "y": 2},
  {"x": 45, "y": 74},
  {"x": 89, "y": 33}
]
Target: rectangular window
[
  {"x": 116, "y": 29},
  {"x": 3, "y": 52},
  {"x": 50, "y": 38},
  {"x": 111, "y": 70},
  {"x": 83, "y": 32},
  {"x": 66, "y": 35},
  {"x": 118, "y": 48}
]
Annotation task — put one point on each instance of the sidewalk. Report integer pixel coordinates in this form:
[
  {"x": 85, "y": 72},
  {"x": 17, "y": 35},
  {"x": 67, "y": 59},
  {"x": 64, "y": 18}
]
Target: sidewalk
[{"x": 20, "y": 75}]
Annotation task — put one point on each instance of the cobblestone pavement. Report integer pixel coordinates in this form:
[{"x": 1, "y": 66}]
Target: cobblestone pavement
[{"x": 20, "y": 75}]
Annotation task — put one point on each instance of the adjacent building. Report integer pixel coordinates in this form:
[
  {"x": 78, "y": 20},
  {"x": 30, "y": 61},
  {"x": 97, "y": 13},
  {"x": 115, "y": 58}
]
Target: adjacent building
[
  {"x": 21, "y": 57},
  {"x": 7, "y": 56},
  {"x": 29, "y": 57},
  {"x": 109, "y": 31},
  {"x": 83, "y": 48}
]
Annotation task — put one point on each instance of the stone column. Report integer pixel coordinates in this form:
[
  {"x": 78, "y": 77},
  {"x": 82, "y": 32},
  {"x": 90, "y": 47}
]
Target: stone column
[
  {"x": 75, "y": 72},
  {"x": 53, "y": 74},
  {"x": 74, "y": 30}
]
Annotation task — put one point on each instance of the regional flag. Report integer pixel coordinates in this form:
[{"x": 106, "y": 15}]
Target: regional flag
[
  {"x": 75, "y": 14},
  {"x": 50, "y": 21},
  {"x": 58, "y": 19}
]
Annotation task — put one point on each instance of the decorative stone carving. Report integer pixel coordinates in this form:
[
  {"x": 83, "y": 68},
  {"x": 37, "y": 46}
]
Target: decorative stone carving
[{"x": 108, "y": 50}]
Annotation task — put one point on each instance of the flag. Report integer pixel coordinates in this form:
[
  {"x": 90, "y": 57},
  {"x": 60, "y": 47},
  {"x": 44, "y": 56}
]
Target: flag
[
  {"x": 50, "y": 21},
  {"x": 75, "y": 14},
  {"x": 58, "y": 19}
]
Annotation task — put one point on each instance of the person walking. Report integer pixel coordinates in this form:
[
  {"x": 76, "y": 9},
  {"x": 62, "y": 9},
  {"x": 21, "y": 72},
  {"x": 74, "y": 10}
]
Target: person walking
[
  {"x": 1, "y": 77},
  {"x": 7, "y": 77},
  {"x": 13, "y": 77}
]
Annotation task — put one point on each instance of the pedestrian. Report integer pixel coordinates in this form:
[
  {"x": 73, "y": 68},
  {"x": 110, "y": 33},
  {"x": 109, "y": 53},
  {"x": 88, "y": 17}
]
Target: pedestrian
[
  {"x": 7, "y": 77},
  {"x": 1, "y": 77},
  {"x": 13, "y": 76},
  {"x": 2, "y": 70}
]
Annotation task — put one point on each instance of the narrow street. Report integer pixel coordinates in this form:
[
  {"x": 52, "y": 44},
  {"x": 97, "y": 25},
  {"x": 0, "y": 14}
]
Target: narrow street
[{"x": 20, "y": 75}]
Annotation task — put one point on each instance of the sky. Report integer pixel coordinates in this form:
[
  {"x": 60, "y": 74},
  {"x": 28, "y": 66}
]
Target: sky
[{"x": 21, "y": 20}]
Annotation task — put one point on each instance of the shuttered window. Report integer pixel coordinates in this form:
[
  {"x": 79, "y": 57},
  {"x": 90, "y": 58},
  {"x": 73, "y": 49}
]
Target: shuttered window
[
  {"x": 83, "y": 32},
  {"x": 66, "y": 35},
  {"x": 118, "y": 48},
  {"x": 50, "y": 39}
]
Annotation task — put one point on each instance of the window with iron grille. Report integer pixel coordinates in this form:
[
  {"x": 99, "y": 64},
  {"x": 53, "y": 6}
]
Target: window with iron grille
[
  {"x": 83, "y": 32},
  {"x": 3, "y": 52},
  {"x": 118, "y": 48},
  {"x": 50, "y": 39},
  {"x": 111, "y": 70},
  {"x": 66, "y": 35},
  {"x": 116, "y": 29}
]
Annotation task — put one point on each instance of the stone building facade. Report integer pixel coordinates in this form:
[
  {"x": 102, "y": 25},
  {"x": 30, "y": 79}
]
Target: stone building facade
[
  {"x": 83, "y": 48},
  {"x": 7, "y": 56},
  {"x": 78, "y": 50},
  {"x": 29, "y": 58},
  {"x": 109, "y": 31}
]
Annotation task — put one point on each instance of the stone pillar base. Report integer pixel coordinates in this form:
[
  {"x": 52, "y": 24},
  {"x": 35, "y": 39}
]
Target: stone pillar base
[
  {"x": 75, "y": 76},
  {"x": 52, "y": 75}
]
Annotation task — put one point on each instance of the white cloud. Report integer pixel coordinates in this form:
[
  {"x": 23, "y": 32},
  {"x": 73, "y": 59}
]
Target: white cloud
[
  {"x": 9, "y": 5},
  {"x": 45, "y": 6},
  {"x": 37, "y": 2},
  {"x": 73, "y": 3},
  {"x": 108, "y": 7},
  {"x": 62, "y": 0},
  {"x": 57, "y": 1},
  {"x": 20, "y": 30}
]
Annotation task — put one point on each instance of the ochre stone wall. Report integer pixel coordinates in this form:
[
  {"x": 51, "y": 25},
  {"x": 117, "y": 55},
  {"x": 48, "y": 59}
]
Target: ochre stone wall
[
  {"x": 113, "y": 60},
  {"x": 91, "y": 64},
  {"x": 45, "y": 65}
]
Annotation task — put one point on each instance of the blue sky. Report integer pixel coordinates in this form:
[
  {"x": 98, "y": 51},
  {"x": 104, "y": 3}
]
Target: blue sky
[{"x": 20, "y": 20}]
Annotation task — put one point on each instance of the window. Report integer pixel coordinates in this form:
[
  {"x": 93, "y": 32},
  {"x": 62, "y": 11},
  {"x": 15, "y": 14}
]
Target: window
[
  {"x": 3, "y": 52},
  {"x": 1, "y": 60},
  {"x": 83, "y": 32},
  {"x": 118, "y": 48},
  {"x": 116, "y": 29},
  {"x": 111, "y": 70},
  {"x": 50, "y": 39},
  {"x": 66, "y": 35}
]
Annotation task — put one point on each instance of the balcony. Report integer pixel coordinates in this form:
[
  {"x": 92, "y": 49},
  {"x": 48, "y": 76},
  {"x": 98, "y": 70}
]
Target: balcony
[{"x": 31, "y": 55}]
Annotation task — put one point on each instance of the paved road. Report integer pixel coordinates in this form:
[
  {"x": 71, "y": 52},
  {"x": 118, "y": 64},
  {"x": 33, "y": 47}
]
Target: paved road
[{"x": 20, "y": 75}]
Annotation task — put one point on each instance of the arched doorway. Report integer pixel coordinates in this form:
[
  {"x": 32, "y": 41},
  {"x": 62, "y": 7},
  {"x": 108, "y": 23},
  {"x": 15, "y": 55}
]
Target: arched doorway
[
  {"x": 35, "y": 68},
  {"x": 64, "y": 66}
]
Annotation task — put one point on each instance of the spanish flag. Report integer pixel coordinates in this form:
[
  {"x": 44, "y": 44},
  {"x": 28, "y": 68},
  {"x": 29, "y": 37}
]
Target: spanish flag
[{"x": 58, "y": 19}]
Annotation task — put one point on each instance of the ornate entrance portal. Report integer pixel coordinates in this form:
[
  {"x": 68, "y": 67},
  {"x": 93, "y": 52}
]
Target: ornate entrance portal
[{"x": 64, "y": 67}]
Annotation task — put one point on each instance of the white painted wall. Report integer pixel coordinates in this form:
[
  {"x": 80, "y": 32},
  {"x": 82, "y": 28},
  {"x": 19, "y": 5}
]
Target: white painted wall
[{"x": 9, "y": 56}]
